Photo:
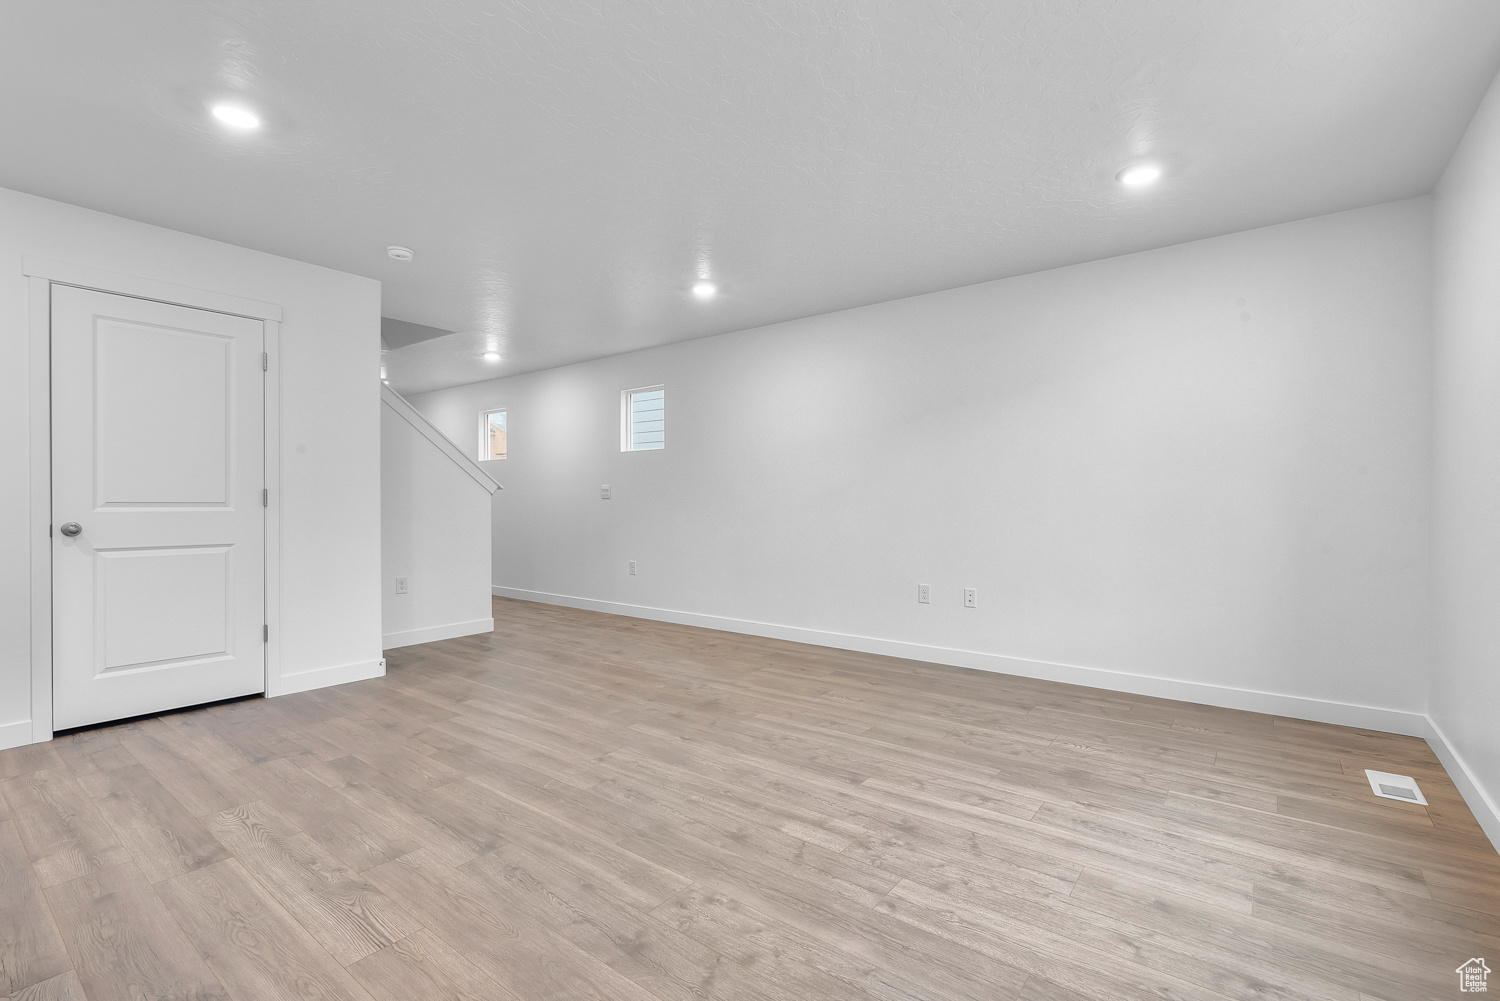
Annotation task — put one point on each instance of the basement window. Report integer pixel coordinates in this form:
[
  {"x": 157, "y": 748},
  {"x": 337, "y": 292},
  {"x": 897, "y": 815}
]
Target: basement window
[
  {"x": 491, "y": 435},
  {"x": 643, "y": 419}
]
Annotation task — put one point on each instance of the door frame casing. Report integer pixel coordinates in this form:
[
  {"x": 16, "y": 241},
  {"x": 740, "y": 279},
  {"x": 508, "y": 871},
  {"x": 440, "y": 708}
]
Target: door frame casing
[{"x": 41, "y": 274}]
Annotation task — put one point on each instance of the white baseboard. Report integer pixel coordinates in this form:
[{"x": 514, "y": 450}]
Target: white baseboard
[
  {"x": 15, "y": 734},
  {"x": 432, "y": 634},
  {"x": 1485, "y": 809},
  {"x": 339, "y": 674},
  {"x": 1409, "y": 724}
]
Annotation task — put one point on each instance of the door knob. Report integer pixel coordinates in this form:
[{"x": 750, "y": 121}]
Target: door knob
[{"x": 71, "y": 529}]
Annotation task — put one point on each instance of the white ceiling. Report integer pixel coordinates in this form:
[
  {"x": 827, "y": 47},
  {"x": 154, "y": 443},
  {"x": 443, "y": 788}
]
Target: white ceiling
[{"x": 564, "y": 169}]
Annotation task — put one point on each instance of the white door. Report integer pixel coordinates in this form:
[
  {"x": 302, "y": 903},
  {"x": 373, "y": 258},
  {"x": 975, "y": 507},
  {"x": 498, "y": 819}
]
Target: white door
[{"x": 157, "y": 518}]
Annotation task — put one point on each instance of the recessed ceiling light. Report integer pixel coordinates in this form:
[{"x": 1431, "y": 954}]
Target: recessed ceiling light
[
  {"x": 233, "y": 114},
  {"x": 492, "y": 356},
  {"x": 399, "y": 253},
  {"x": 705, "y": 290},
  {"x": 1139, "y": 176}
]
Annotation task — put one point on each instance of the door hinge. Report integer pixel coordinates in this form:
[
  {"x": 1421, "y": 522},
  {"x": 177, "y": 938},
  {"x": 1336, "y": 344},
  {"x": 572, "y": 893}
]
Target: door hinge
[
  {"x": 265, "y": 634},
  {"x": 265, "y": 362},
  {"x": 265, "y": 497}
]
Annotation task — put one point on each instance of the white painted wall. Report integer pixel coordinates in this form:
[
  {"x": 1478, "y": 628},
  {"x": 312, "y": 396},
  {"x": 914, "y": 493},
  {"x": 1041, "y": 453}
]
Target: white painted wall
[
  {"x": 1203, "y": 468},
  {"x": 330, "y": 474},
  {"x": 1465, "y": 686},
  {"x": 435, "y": 532}
]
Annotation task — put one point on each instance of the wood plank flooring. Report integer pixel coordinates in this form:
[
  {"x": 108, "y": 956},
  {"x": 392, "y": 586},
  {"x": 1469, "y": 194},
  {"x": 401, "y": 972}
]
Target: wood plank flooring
[{"x": 587, "y": 806}]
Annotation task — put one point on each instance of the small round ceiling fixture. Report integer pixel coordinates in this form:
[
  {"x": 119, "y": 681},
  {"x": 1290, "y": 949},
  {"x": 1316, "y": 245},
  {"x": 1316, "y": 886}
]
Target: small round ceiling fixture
[
  {"x": 1139, "y": 175},
  {"x": 492, "y": 356},
  {"x": 705, "y": 290},
  {"x": 236, "y": 116},
  {"x": 399, "y": 253}
]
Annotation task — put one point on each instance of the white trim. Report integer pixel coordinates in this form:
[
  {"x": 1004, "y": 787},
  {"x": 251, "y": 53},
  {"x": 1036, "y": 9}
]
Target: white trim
[
  {"x": 626, "y": 443},
  {"x": 484, "y": 434},
  {"x": 1485, "y": 809},
  {"x": 424, "y": 427},
  {"x": 42, "y": 274},
  {"x": 271, "y": 480},
  {"x": 1410, "y": 724},
  {"x": 322, "y": 677},
  {"x": 100, "y": 280},
  {"x": 40, "y": 525},
  {"x": 15, "y": 734},
  {"x": 431, "y": 634}
]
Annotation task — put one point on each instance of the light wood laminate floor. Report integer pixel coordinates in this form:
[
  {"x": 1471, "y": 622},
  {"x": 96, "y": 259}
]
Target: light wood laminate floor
[{"x": 587, "y": 806}]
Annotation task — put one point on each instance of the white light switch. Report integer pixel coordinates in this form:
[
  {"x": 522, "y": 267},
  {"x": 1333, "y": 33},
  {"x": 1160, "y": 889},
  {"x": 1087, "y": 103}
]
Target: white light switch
[{"x": 604, "y": 491}]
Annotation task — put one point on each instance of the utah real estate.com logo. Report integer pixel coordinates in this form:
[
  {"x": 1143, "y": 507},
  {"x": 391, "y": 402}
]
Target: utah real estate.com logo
[{"x": 1472, "y": 976}]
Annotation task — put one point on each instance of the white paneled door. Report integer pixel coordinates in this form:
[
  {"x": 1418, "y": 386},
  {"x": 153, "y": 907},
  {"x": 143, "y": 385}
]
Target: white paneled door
[{"x": 158, "y": 526}]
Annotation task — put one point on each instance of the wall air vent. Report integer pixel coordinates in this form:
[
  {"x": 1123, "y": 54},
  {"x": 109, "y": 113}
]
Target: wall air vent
[{"x": 1398, "y": 787}]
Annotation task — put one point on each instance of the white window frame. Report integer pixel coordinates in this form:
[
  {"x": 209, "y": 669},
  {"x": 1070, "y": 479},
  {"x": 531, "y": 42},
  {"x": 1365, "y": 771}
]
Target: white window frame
[
  {"x": 625, "y": 395},
  {"x": 484, "y": 434}
]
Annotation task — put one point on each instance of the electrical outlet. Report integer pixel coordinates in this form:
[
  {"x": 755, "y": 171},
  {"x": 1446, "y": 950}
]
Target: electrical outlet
[
  {"x": 924, "y": 594},
  {"x": 632, "y": 568},
  {"x": 971, "y": 597},
  {"x": 400, "y": 585},
  {"x": 604, "y": 491}
]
